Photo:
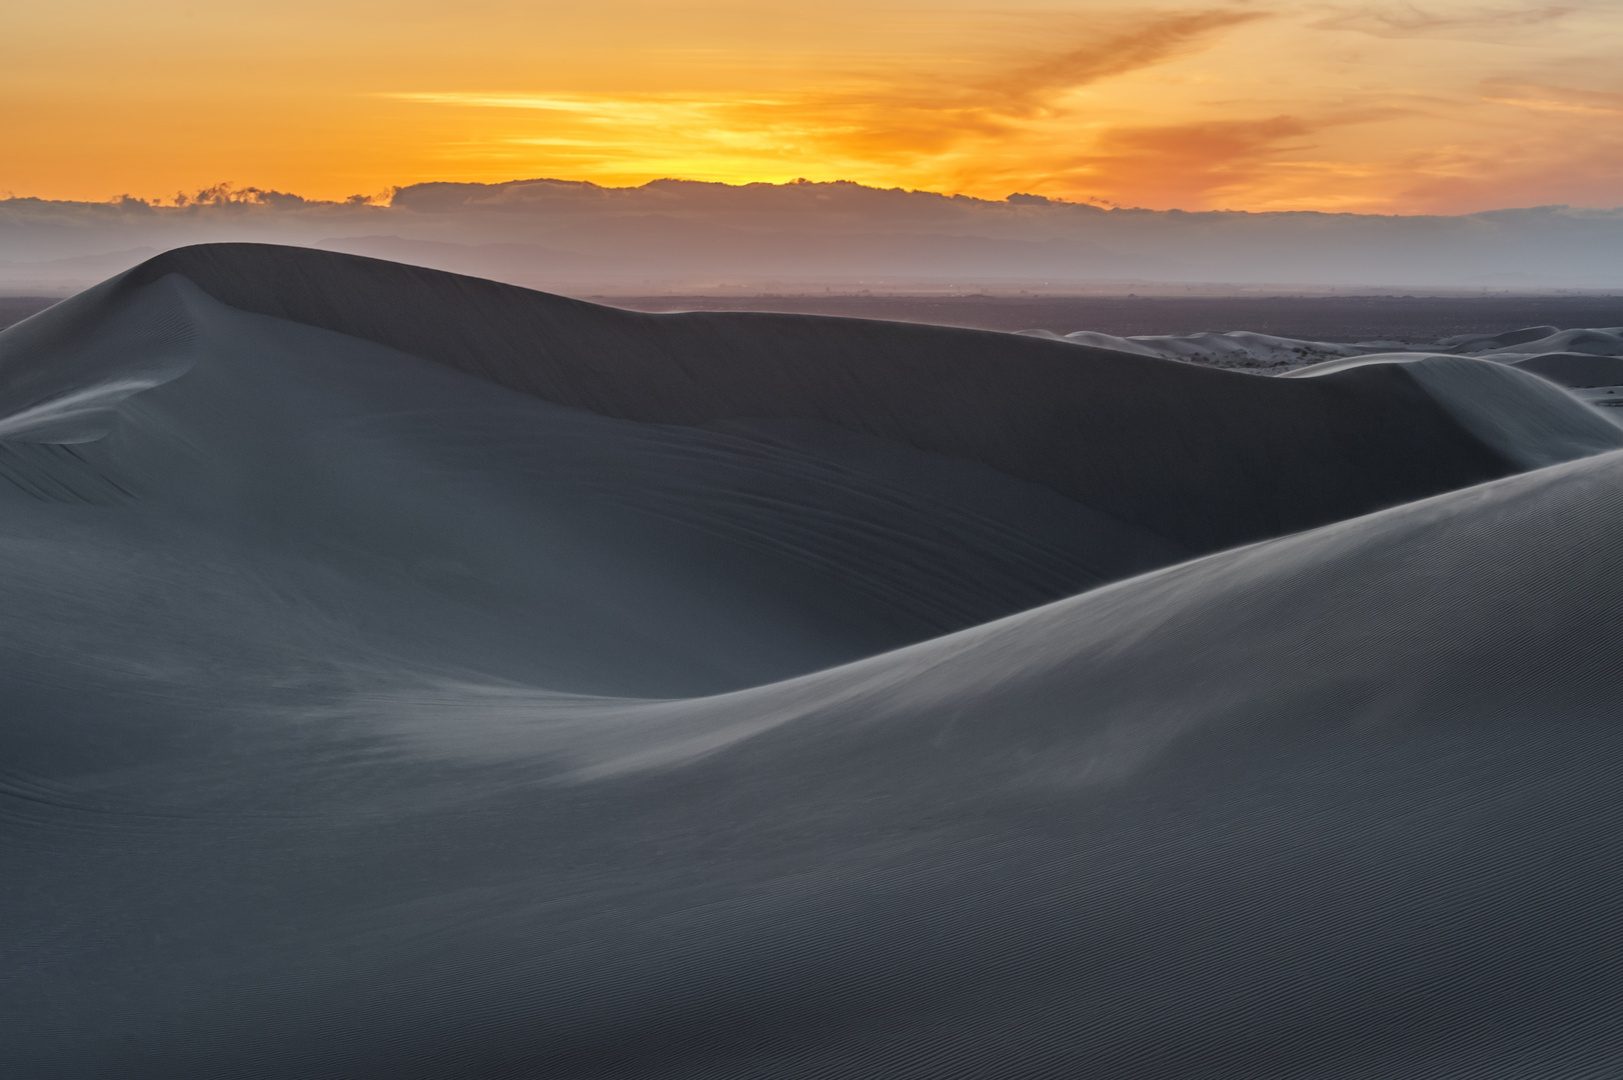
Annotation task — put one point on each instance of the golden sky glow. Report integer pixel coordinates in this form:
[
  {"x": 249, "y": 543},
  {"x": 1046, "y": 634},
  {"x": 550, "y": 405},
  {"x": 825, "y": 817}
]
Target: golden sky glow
[{"x": 1434, "y": 107}]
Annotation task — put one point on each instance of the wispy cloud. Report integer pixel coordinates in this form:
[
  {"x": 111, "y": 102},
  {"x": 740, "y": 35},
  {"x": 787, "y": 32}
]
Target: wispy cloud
[
  {"x": 1151, "y": 42},
  {"x": 1472, "y": 22},
  {"x": 1227, "y": 163},
  {"x": 1558, "y": 99}
]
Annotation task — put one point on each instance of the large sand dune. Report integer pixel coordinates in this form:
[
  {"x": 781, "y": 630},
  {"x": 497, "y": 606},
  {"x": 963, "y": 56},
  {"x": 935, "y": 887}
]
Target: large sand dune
[{"x": 408, "y": 675}]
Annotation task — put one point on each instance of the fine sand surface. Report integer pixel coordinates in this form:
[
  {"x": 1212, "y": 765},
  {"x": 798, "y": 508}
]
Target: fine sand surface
[{"x": 412, "y": 676}]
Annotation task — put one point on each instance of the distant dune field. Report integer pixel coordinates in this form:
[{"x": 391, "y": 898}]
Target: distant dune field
[{"x": 1409, "y": 318}]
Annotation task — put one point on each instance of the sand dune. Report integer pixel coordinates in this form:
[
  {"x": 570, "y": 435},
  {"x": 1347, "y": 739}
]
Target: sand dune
[
  {"x": 1267, "y": 352},
  {"x": 414, "y": 676},
  {"x": 1596, "y": 342},
  {"x": 1594, "y": 372},
  {"x": 1575, "y": 369},
  {"x": 1235, "y": 349},
  {"x": 1192, "y": 454}
]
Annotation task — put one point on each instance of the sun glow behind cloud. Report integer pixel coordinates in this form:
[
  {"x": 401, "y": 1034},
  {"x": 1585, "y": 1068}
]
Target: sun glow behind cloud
[{"x": 1257, "y": 105}]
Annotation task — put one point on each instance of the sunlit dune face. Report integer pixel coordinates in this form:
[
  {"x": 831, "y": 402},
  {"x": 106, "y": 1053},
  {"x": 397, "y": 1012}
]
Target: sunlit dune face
[{"x": 1442, "y": 107}]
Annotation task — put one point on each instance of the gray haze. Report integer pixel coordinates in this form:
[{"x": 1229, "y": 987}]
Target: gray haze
[{"x": 676, "y": 236}]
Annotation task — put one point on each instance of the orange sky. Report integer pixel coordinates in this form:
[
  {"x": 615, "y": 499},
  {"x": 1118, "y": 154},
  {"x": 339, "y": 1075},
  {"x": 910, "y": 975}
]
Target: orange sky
[{"x": 1441, "y": 107}]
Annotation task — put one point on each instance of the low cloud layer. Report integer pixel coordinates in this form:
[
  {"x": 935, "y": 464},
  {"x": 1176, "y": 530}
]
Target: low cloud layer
[{"x": 676, "y": 236}]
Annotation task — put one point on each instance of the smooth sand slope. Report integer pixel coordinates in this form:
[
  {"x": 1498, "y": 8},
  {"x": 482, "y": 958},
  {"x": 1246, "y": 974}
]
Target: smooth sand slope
[{"x": 411, "y": 676}]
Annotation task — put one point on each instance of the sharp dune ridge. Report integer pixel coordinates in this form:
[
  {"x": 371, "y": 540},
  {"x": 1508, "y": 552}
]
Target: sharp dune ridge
[{"x": 413, "y": 675}]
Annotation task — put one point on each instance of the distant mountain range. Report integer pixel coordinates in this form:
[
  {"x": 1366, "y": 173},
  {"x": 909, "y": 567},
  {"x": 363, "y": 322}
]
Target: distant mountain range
[{"x": 688, "y": 235}]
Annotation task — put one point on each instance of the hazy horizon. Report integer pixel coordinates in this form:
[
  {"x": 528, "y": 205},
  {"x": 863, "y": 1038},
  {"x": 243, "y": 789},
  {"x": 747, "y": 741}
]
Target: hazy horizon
[{"x": 679, "y": 235}]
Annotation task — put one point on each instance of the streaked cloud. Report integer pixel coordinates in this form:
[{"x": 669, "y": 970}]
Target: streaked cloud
[
  {"x": 1470, "y": 22},
  {"x": 1561, "y": 99},
  {"x": 1157, "y": 38}
]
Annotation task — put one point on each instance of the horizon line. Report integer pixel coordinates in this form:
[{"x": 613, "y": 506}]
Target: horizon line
[{"x": 229, "y": 193}]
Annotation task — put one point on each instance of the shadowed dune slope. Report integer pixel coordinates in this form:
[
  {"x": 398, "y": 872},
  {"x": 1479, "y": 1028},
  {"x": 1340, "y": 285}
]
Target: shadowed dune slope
[
  {"x": 1204, "y": 458},
  {"x": 479, "y": 528}
]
